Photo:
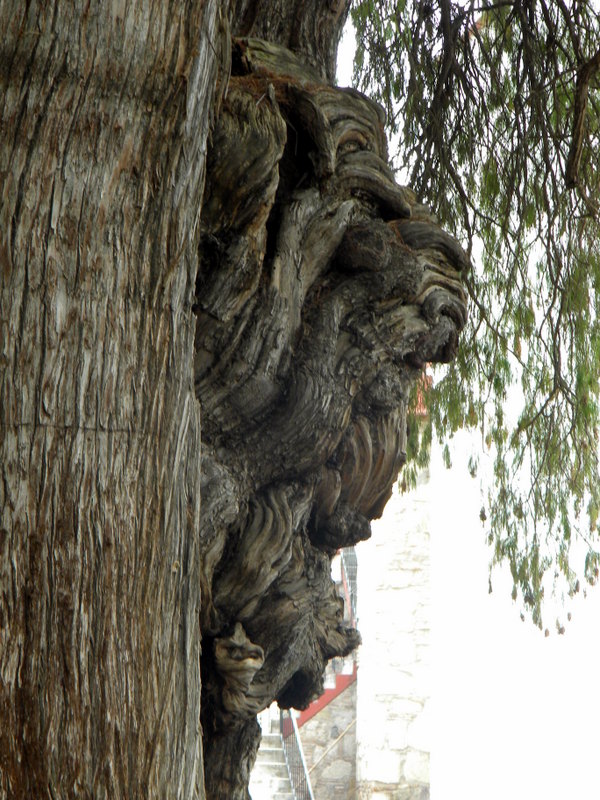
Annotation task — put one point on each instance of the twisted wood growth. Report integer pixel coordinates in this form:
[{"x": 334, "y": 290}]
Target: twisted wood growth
[
  {"x": 309, "y": 28},
  {"x": 323, "y": 288},
  {"x": 200, "y": 238}
]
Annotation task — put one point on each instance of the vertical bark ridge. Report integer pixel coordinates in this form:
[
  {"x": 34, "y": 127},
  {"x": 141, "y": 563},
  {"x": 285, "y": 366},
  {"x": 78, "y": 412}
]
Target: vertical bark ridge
[{"x": 105, "y": 118}]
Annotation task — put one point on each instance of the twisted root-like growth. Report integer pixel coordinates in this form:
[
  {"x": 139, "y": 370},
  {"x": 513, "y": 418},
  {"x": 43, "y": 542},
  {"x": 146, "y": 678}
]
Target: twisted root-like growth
[{"x": 324, "y": 288}]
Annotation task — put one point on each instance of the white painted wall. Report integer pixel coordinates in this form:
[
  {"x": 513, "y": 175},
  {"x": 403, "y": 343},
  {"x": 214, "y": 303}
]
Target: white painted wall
[
  {"x": 394, "y": 663},
  {"x": 453, "y": 689},
  {"x": 515, "y": 714}
]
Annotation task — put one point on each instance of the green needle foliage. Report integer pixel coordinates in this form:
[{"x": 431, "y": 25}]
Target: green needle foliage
[{"x": 497, "y": 109}]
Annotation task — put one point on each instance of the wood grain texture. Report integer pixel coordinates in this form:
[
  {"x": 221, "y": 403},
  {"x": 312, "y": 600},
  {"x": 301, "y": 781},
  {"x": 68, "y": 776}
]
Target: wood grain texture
[
  {"x": 323, "y": 289},
  {"x": 105, "y": 115},
  {"x": 191, "y": 225}
]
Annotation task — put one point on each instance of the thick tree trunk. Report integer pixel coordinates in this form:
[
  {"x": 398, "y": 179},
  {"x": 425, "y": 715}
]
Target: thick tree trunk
[
  {"x": 293, "y": 299},
  {"x": 105, "y": 117}
]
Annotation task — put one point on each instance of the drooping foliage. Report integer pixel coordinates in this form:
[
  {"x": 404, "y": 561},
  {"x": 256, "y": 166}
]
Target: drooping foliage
[{"x": 497, "y": 107}]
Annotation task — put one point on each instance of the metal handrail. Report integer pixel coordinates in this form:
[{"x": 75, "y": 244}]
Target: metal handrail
[
  {"x": 349, "y": 579},
  {"x": 294, "y": 756}
]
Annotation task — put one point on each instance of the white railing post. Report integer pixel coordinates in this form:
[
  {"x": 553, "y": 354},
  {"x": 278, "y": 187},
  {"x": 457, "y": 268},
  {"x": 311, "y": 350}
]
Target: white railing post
[{"x": 303, "y": 760}]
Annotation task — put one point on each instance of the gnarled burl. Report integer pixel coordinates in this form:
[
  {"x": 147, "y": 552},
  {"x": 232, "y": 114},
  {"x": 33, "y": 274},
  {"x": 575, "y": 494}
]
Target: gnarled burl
[
  {"x": 323, "y": 289},
  {"x": 213, "y": 301}
]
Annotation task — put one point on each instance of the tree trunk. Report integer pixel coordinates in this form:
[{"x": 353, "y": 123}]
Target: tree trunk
[
  {"x": 105, "y": 117},
  {"x": 294, "y": 299}
]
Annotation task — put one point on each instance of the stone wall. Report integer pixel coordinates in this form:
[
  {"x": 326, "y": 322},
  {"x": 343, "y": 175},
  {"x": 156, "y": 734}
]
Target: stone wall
[
  {"x": 334, "y": 775},
  {"x": 394, "y": 674}
]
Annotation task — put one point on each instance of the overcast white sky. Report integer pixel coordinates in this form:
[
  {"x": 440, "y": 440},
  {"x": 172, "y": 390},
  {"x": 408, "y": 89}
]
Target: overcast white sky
[{"x": 515, "y": 715}]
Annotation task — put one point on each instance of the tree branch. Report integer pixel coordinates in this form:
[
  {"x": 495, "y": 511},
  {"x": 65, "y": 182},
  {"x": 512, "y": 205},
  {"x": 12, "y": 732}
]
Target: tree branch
[{"x": 584, "y": 75}]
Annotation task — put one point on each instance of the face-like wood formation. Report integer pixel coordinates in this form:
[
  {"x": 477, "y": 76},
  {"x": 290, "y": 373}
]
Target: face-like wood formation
[{"x": 324, "y": 288}]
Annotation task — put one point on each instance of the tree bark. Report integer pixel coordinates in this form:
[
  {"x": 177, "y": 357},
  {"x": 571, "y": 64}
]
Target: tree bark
[
  {"x": 323, "y": 288},
  {"x": 105, "y": 118},
  {"x": 193, "y": 219}
]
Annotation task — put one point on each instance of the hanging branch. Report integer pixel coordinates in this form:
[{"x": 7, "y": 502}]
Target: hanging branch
[{"x": 584, "y": 76}]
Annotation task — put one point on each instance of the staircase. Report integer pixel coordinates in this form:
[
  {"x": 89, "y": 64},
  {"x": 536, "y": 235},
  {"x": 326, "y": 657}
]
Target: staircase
[{"x": 270, "y": 779}]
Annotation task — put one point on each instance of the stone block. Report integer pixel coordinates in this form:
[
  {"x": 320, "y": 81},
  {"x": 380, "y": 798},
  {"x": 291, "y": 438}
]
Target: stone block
[
  {"x": 419, "y": 731},
  {"x": 384, "y": 766},
  {"x": 397, "y": 733},
  {"x": 416, "y": 767},
  {"x": 338, "y": 770}
]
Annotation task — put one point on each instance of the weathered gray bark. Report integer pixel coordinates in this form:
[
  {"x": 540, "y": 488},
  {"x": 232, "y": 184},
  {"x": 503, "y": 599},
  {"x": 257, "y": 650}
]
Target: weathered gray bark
[
  {"x": 323, "y": 289},
  {"x": 292, "y": 301},
  {"x": 105, "y": 112}
]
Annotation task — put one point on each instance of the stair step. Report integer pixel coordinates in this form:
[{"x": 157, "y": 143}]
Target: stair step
[
  {"x": 276, "y": 769},
  {"x": 275, "y": 781},
  {"x": 269, "y": 789},
  {"x": 270, "y": 757},
  {"x": 270, "y": 740},
  {"x": 270, "y": 778}
]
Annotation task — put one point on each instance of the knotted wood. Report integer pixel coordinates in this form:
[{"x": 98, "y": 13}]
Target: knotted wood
[
  {"x": 196, "y": 232},
  {"x": 323, "y": 289}
]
